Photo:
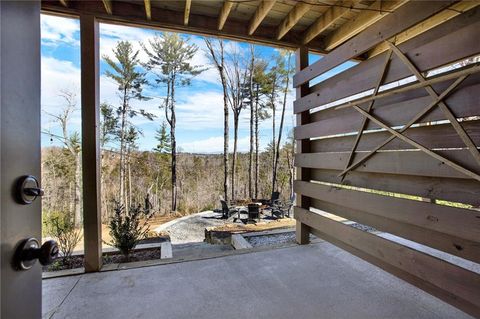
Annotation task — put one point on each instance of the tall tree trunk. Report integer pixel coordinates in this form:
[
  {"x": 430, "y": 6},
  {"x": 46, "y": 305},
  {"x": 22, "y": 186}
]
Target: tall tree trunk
[
  {"x": 129, "y": 204},
  {"x": 78, "y": 190},
  {"x": 122, "y": 149},
  {"x": 234, "y": 157},
  {"x": 250, "y": 157},
  {"x": 256, "y": 140},
  {"x": 274, "y": 145},
  {"x": 277, "y": 156},
  {"x": 174, "y": 150},
  {"x": 225, "y": 138}
]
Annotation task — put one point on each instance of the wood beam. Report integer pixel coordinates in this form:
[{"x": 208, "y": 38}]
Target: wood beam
[
  {"x": 292, "y": 18},
  {"x": 439, "y": 18},
  {"x": 90, "y": 88},
  {"x": 378, "y": 10},
  {"x": 64, "y": 3},
  {"x": 222, "y": 18},
  {"x": 148, "y": 9},
  {"x": 326, "y": 20},
  {"x": 108, "y": 6},
  {"x": 400, "y": 20},
  {"x": 186, "y": 16},
  {"x": 133, "y": 13},
  {"x": 302, "y": 233},
  {"x": 260, "y": 14}
]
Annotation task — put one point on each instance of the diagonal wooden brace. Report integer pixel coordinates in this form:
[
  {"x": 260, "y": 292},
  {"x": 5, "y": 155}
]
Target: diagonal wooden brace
[
  {"x": 417, "y": 145},
  {"x": 369, "y": 108},
  {"x": 406, "y": 126},
  {"x": 448, "y": 113}
]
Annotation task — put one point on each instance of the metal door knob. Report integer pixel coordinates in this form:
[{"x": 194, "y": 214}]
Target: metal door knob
[{"x": 29, "y": 251}]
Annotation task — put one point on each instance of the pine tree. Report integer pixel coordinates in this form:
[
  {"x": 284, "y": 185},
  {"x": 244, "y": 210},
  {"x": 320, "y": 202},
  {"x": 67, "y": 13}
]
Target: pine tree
[
  {"x": 164, "y": 145},
  {"x": 169, "y": 60},
  {"x": 124, "y": 71}
]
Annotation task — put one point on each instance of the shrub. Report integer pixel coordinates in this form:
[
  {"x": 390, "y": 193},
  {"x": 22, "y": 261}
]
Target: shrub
[
  {"x": 128, "y": 229},
  {"x": 61, "y": 227}
]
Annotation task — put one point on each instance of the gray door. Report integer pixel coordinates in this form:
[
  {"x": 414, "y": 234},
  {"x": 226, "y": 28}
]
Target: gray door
[{"x": 20, "y": 151}]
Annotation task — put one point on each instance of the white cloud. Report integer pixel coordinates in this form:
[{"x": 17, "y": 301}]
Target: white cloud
[
  {"x": 53, "y": 34},
  {"x": 214, "y": 145},
  {"x": 199, "y": 107}
]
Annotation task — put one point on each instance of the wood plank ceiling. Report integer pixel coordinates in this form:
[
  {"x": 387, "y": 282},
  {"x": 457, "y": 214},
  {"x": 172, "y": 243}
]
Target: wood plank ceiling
[{"x": 322, "y": 26}]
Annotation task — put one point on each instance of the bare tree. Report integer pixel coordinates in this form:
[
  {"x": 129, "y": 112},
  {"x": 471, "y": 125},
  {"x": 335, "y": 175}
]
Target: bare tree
[
  {"x": 72, "y": 143},
  {"x": 217, "y": 56},
  {"x": 285, "y": 70},
  {"x": 236, "y": 80}
]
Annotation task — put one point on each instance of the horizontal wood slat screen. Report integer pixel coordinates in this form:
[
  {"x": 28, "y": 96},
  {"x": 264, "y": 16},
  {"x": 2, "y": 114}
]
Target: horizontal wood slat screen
[
  {"x": 448, "y": 42},
  {"x": 444, "y": 280},
  {"x": 403, "y": 160}
]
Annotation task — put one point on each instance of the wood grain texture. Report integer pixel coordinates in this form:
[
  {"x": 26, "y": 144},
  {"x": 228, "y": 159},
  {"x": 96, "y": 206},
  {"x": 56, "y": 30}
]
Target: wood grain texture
[
  {"x": 394, "y": 23},
  {"x": 455, "y": 285},
  {"x": 463, "y": 101},
  {"x": 439, "y": 218},
  {"x": 448, "y": 189},
  {"x": 448, "y": 42},
  {"x": 398, "y": 163}
]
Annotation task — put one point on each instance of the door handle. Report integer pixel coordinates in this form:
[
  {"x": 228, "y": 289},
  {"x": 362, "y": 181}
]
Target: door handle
[
  {"x": 28, "y": 189},
  {"x": 29, "y": 250}
]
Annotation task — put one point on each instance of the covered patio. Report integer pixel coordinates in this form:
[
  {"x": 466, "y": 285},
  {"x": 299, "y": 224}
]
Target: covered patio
[
  {"x": 269, "y": 284},
  {"x": 390, "y": 143}
]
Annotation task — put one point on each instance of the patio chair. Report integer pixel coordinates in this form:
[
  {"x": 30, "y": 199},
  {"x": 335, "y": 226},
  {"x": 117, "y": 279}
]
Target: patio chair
[
  {"x": 280, "y": 209},
  {"x": 227, "y": 211},
  {"x": 253, "y": 212},
  {"x": 274, "y": 199}
]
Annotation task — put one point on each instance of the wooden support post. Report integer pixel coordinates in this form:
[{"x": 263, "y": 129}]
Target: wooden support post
[
  {"x": 303, "y": 146},
  {"x": 89, "y": 36}
]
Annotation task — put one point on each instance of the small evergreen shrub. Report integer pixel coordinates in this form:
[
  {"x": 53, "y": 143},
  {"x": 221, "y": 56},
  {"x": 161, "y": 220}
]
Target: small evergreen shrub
[
  {"x": 127, "y": 229},
  {"x": 61, "y": 227}
]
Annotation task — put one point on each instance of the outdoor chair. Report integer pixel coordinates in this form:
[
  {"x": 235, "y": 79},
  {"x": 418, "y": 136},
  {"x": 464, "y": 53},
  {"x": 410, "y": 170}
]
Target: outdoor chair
[
  {"x": 274, "y": 199},
  {"x": 227, "y": 211},
  {"x": 280, "y": 209},
  {"x": 253, "y": 212}
]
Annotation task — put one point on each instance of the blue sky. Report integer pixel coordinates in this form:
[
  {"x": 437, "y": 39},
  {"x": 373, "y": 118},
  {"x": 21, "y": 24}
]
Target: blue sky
[{"x": 199, "y": 106}]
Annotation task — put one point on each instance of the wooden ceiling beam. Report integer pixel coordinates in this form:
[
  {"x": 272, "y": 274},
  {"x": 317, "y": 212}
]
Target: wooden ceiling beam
[
  {"x": 439, "y": 18},
  {"x": 148, "y": 9},
  {"x": 133, "y": 13},
  {"x": 326, "y": 20},
  {"x": 64, "y": 3},
  {"x": 378, "y": 10},
  {"x": 260, "y": 14},
  {"x": 186, "y": 16},
  {"x": 222, "y": 18},
  {"x": 108, "y": 6},
  {"x": 292, "y": 18}
]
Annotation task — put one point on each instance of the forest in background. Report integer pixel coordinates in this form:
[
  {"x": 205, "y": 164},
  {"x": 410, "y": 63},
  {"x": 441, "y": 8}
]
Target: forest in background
[{"x": 163, "y": 179}]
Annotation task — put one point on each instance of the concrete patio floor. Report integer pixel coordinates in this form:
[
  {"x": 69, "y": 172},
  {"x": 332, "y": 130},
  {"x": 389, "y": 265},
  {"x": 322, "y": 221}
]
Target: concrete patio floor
[{"x": 313, "y": 281}]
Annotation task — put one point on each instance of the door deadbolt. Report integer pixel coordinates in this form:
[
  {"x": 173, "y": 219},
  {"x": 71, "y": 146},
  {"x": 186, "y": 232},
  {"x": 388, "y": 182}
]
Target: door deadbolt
[{"x": 28, "y": 189}]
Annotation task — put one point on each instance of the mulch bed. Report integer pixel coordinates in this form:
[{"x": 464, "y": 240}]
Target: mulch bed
[{"x": 110, "y": 258}]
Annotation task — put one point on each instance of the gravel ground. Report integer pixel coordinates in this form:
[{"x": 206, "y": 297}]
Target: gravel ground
[
  {"x": 273, "y": 240},
  {"x": 191, "y": 228},
  {"x": 276, "y": 239}
]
